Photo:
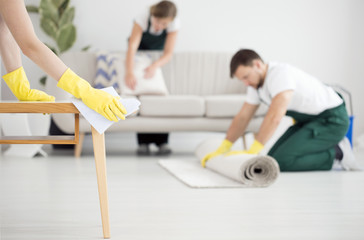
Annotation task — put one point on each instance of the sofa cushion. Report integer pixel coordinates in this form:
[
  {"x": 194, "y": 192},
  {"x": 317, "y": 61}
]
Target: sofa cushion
[
  {"x": 228, "y": 105},
  {"x": 151, "y": 86},
  {"x": 172, "y": 106}
]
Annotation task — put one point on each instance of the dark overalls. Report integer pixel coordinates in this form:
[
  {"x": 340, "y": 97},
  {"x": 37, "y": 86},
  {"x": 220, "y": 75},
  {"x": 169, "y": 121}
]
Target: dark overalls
[
  {"x": 310, "y": 143},
  {"x": 152, "y": 42}
]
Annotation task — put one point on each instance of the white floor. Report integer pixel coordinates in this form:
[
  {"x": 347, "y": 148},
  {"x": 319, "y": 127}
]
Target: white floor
[{"x": 56, "y": 198}]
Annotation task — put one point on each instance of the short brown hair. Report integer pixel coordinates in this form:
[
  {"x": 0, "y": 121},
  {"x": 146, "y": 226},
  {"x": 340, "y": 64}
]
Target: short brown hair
[
  {"x": 243, "y": 57},
  {"x": 164, "y": 9}
]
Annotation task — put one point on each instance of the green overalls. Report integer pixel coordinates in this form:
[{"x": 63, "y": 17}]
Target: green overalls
[
  {"x": 310, "y": 143},
  {"x": 152, "y": 42}
]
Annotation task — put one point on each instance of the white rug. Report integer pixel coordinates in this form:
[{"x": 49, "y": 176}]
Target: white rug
[
  {"x": 254, "y": 173},
  {"x": 193, "y": 175},
  {"x": 241, "y": 170}
]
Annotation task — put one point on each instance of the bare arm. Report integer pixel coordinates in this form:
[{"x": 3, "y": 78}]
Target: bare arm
[
  {"x": 17, "y": 20},
  {"x": 167, "y": 54},
  {"x": 236, "y": 130},
  {"x": 168, "y": 50},
  {"x": 241, "y": 121},
  {"x": 134, "y": 41},
  {"x": 9, "y": 49},
  {"x": 275, "y": 114}
]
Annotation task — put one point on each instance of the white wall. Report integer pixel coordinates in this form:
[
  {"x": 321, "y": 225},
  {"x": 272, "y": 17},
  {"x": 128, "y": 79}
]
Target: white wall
[{"x": 323, "y": 37}]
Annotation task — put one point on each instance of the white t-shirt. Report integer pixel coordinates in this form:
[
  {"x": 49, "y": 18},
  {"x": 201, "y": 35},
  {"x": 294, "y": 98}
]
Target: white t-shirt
[
  {"x": 143, "y": 18},
  {"x": 310, "y": 96}
]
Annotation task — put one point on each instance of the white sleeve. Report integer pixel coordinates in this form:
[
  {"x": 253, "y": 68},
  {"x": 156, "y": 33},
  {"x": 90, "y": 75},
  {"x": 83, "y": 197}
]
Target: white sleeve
[
  {"x": 281, "y": 81},
  {"x": 142, "y": 20},
  {"x": 252, "y": 96},
  {"x": 174, "y": 25}
]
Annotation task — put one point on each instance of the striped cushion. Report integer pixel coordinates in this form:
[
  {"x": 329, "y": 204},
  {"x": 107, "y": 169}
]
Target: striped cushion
[{"x": 107, "y": 73}]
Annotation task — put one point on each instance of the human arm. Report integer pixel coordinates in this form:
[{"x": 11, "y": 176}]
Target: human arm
[
  {"x": 270, "y": 123},
  {"x": 276, "y": 112},
  {"x": 134, "y": 41},
  {"x": 18, "y": 22},
  {"x": 9, "y": 49},
  {"x": 236, "y": 130},
  {"x": 166, "y": 57},
  {"x": 16, "y": 78},
  {"x": 241, "y": 121}
]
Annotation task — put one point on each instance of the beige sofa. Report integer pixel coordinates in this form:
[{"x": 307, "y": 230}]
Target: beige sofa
[{"x": 202, "y": 96}]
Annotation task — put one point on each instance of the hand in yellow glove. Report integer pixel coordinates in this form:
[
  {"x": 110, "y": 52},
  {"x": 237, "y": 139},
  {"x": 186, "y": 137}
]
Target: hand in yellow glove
[
  {"x": 102, "y": 102},
  {"x": 255, "y": 148},
  {"x": 18, "y": 83},
  {"x": 223, "y": 148}
]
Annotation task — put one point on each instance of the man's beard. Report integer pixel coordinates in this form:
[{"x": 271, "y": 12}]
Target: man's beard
[{"x": 261, "y": 82}]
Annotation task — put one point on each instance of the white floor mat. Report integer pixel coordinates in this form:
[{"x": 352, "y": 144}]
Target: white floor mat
[
  {"x": 242, "y": 170},
  {"x": 254, "y": 173},
  {"x": 193, "y": 175}
]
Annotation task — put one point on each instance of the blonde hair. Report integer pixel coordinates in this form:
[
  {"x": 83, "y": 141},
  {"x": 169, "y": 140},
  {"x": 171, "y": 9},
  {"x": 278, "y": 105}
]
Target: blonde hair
[{"x": 164, "y": 9}]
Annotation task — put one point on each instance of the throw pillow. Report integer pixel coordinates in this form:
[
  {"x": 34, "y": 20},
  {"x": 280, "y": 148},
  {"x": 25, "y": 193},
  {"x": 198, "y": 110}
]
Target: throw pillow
[
  {"x": 150, "y": 86},
  {"x": 108, "y": 70}
]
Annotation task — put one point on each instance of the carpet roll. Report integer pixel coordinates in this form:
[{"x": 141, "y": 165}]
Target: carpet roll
[{"x": 251, "y": 170}]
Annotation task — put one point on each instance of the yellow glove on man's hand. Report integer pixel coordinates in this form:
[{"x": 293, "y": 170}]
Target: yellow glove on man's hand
[
  {"x": 255, "y": 148},
  {"x": 102, "y": 102},
  {"x": 224, "y": 147},
  {"x": 18, "y": 83}
]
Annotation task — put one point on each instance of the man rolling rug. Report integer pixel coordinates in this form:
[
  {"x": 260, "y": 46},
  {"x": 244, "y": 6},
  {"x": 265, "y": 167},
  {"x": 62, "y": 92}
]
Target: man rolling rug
[{"x": 321, "y": 121}]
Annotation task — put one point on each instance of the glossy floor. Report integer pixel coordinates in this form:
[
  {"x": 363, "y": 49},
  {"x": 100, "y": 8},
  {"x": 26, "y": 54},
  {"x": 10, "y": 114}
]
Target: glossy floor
[{"x": 56, "y": 198}]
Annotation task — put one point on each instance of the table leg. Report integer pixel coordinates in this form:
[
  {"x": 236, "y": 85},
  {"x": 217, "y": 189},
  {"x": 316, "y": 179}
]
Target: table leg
[
  {"x": 79, "y": 146},
  {"x": 100, "y": 160}
]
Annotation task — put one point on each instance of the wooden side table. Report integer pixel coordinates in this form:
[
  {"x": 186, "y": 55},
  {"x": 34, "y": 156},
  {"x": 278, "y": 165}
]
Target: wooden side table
[{"x": 97, "y": 139}]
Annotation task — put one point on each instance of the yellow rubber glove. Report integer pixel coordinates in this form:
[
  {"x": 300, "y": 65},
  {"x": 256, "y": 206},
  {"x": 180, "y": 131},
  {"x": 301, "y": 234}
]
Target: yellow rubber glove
[
  {"x": 18, "y": 83},
  {"x": 102, "y": 102},
  {"x": 255, "y": 148},
  {"x": 223, "y": 148}
]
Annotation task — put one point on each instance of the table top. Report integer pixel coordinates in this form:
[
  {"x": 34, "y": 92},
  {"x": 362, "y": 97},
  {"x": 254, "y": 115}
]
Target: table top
[{"x": 37, "y": 107}]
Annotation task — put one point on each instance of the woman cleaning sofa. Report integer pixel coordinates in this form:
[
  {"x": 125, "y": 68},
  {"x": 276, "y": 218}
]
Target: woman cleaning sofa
[{"x": 155, "y": 29}]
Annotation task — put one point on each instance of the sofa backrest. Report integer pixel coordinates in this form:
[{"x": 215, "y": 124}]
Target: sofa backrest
[
  {"x": 201, "y": 73},
  {"x": 188, "y": 73}
]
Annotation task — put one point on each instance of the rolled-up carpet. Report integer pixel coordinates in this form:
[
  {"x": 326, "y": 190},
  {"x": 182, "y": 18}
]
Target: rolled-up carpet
[
  {"x": 251, "y": 170},
  {"x": 239, "y": 171}
]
